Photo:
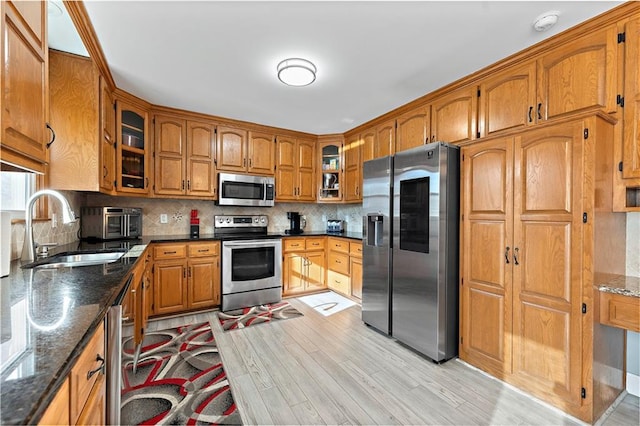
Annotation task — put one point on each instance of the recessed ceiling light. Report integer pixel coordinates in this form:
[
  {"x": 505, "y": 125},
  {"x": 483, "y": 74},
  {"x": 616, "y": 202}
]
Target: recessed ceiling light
[
  {"x": 296, "y": 72},
  {"x": 546, "y": 20}
]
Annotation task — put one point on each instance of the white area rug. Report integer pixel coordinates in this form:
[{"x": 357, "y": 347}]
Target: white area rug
[{"x": 327, "y": 303}]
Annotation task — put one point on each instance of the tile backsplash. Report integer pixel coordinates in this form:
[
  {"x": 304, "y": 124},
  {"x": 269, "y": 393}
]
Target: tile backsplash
[{"x": 178, "y": 213}]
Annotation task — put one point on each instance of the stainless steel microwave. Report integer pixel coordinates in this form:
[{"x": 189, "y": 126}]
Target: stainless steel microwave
[
  {"x": 246, "y": 190},
  {"x": 110, "y": 223}
]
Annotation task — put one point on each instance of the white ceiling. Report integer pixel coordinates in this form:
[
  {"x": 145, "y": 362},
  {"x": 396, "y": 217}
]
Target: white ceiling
[{"x": 220, "y": 58}]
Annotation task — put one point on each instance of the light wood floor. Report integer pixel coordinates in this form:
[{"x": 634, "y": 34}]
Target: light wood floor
[{"x": 335, "y": 370}]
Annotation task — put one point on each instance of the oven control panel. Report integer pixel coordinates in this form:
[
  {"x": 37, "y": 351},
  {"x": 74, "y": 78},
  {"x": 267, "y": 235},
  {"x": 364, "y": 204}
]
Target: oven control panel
[{"x": 257, "y": 221}]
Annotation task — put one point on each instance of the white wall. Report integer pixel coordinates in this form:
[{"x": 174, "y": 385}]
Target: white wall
[{"x": 633, "y": 269}]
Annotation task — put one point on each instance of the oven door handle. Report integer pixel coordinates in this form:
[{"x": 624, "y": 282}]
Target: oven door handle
[{"x": 252, "y": 243}]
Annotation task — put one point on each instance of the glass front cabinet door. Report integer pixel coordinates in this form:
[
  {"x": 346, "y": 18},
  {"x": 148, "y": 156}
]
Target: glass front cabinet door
[
  {"x": 331, "y": 171},
  {"x": 133, "y": 149}
]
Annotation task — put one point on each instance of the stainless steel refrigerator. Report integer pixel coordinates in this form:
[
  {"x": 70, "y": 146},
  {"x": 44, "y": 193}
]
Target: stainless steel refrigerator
[
  {"x": 376, "y": 245},
  {"x": 426, "y": 208},
  {"x": 413, "y": 293}
]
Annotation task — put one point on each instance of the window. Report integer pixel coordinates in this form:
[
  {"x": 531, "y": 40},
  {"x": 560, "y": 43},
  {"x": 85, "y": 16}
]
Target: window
[{"x": 15, "y": 190}]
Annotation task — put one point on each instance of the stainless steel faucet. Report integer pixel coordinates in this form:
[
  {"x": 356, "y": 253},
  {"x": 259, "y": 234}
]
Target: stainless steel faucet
[{"x": 68, "y": 216}]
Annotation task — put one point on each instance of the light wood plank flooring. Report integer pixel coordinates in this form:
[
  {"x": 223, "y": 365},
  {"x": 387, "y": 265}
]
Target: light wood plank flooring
[{"x": 335, "y": 370}]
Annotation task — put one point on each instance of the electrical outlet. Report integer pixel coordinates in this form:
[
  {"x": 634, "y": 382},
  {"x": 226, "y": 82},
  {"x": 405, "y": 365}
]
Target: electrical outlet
[
  {"x": 164, "y": 218},
  {"x": 54, "y": 220}
]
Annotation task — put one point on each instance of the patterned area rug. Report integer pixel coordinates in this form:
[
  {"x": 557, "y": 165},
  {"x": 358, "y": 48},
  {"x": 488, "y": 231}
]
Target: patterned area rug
[
  {"x": 245, "y": 317},
  {"x": 179, "y": 379}
]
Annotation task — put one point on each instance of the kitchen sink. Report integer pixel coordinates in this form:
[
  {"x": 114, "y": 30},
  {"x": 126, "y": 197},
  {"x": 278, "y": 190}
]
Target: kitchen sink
[{"x": 65, "y": 260}]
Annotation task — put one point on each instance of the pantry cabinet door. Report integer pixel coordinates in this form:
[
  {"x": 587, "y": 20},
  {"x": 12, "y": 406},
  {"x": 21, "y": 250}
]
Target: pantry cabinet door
[
  {"x": 631, "y": 145},
  {"x": 486, "y": 290},
  {"x": 547, "y": 262}
]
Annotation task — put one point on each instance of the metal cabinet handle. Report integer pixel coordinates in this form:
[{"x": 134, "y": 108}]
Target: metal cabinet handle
[
  {"x": 539, "y": 113},
  {"x": 188, "y": 185},
  {"x": 146, "y": 182},
  {"x": 53, "y": 135},
  {"x": 184, "y": 273},
  {"x": 530, "y": 111},
  {"x": 249, "y": 162},
  {"x": 106, "y": 172},
  {"x": 90, "y": 373},
  {"x": 183, "y": 184},
  {"x": 244, "y": 162},
  {"x": 506, "y": 255},
  {"x": 170, "y": 252},
  {"x": 515, "y": 256},
  {"x": 203, "y": 250}
]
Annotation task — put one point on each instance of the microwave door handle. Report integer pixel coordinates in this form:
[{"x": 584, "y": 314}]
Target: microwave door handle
[{"x": 123, "y": 226}]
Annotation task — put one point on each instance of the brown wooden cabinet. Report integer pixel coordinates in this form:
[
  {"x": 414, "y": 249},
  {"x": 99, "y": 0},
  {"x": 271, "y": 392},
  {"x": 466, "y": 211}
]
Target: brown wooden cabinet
[
  {"x": 107, "y": 138},
  {"x": 508, "y": 100},
  {"x": 303, "y": 265},
  {"x": 385, "y": 140},
  {"x": 355, "y": 266},
  {"x": 413, "y": 128},
  {"x": 25, "y": 91},
  {"x": 368, "y": 143},
  {"x": 331, "y": 184},
  {"x": 454, "y": 116},
  {"x": 531, "y": 205},
  {"x": 353, "y": 161},
  {"x": 184, "y": 157},
  {"x": 295, "y": 169},
  {"x": 133, "y": 149},
  {"x": 578, "y": 76},
  {"x": 57, "y": 412},
  {"x": 186, "y": 277},
  {"x": 627, "y": 151},
  {"x": 87, "y": 382},
  {"x": 83, "y": 114},
  {"x": 244, "y": 152}
]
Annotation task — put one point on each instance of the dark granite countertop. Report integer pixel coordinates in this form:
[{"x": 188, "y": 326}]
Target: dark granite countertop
[
  {"x": 49, "y": 315},
  {"x": 47, "y": 319}
]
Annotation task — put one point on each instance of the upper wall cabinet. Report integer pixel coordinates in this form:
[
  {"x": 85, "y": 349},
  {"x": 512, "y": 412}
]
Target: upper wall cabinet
[
  {"x": 75, "y": 112},
  {"x": 183, "y": 157},
  {"x": 295, "y": 169},
  {"x": 578, "y": 76},
  {"x": 631, "y": 142},
  {"x": 331, "y": 182},
  {"x": 385, "y": 139},
  {"x": 454, "y": 116},
  {"x": 353, "y": 160},
  {"x": 245, "y": 152},
  {"x": 508, "y": 100},
  {"x": 133, "y": 149},
  {"x": 368, "y": 142},
  {"x": 24, "y": 85},
  {"x": 412, "y": 129},
  {"x": 83, "y": 114}
]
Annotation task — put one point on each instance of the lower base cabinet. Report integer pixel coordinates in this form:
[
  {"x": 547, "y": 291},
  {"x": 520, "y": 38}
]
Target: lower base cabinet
[
  {"x": 344, "y": 267},
  {"x": 82, "y": 397},
  {"x": 303, "y": 268},
  {"x": 186, "y": 276}
]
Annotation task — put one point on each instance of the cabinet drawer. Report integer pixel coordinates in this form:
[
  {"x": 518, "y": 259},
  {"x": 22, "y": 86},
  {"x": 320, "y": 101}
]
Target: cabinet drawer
[
  {"x": 355, "y": 249},
  {"x": 338, "y": 282},
  {"x": 340, "y": 245},
  {"x": 293, "y": 244},
  {"x": 81, "y": 383},
  {"x": 170, "y": 251},
  {"x": 338, "y": 262},
  {"x": 315, "y": 243},
  {"x": 620, "y": 311},
  {"x": 203, "y": 249}
]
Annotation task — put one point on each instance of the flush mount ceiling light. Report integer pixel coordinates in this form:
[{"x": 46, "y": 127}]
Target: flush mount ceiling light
[
  {"x": 546, "y": 20},
  {"x": 296, "y": 72}
]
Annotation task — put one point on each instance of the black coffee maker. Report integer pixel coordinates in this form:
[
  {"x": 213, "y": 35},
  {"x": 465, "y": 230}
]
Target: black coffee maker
[{"x": 294, "y": 218}]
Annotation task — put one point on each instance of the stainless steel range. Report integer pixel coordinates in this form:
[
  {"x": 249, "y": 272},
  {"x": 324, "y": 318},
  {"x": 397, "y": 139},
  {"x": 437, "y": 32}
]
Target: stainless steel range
[{"x": 251, "y": 261}]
